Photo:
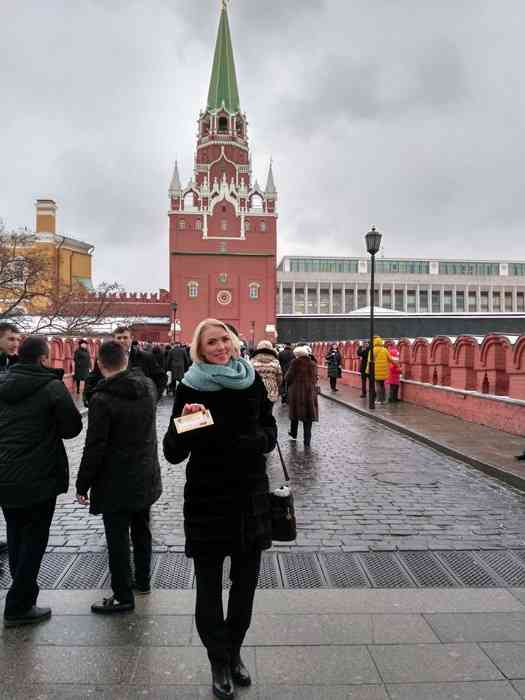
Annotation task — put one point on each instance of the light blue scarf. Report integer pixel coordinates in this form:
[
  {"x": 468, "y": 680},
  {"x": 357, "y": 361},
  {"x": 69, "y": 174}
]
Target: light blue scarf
[{"x": 237, "y": 374}]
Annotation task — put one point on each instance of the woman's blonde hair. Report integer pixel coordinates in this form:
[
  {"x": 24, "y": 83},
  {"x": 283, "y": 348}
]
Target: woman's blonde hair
[{"x": 195, "y": 348}]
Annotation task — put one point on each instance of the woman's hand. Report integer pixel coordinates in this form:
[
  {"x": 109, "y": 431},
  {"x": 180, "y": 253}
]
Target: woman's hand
[{"x": 192, "y": 408}]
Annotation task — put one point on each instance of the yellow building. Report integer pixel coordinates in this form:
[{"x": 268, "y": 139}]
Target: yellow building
[{"x": 69, "y": 259}]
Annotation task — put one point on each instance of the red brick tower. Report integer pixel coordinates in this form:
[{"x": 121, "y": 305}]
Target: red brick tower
[{"x": 223, "y": 227}]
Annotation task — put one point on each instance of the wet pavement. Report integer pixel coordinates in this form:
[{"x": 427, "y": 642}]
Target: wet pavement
[{"x": 361, "y": 486}]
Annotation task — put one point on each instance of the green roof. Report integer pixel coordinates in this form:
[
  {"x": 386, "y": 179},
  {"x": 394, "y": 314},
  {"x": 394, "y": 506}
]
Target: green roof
[{"x": 223, "y": 83}]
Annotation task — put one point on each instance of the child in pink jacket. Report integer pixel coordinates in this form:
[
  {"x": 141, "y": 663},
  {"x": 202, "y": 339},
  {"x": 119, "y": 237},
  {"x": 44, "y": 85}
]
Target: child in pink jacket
[{"x": 394, "y": 376}]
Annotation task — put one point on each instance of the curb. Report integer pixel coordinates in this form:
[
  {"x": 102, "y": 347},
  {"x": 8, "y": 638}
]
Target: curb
[{"x": 490, "y": 469}]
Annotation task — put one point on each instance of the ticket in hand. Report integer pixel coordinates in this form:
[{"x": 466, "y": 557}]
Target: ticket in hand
[{"x": 192, "y": 421}]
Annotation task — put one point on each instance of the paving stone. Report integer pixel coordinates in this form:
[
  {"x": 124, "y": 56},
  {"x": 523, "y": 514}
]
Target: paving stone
[
  {"x": 509, "y": 657},
  {"x": 335, "y": 665},
  {"x": 179, "y": 666},
  {"x": 520, "y": 687},
  {"x": 433, "y": 663},
  {"x": 492, "y": 690},
  {"x": 310, "y": 629},
  {"x": 519, "y": 593},
  {"x": 49, "y": 664},
  {"x": 100, "y": 692},
  {"x": 91, "y": 630},
  {"x": 304, "y": 692},
  {"x": 479, "y": 627},
  {"x": 401, "y": 629}
]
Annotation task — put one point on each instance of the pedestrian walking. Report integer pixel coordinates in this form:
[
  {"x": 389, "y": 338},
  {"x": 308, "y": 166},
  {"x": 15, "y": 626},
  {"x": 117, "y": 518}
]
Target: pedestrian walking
[
  {"x": 267, "y": 365},
  {"x": 394, "y": 376},
  {"x": 333, "y": 361},
  {"x": 226, "y": 496},
  {"x": 178, "y": 363},
  {"x": 137, "y": 358},
  {"x": 9, "y": 339},
  {"x": 82, "y": 364},
  {"x": 36, "y": 414},
  {"x": 120, "y": 471},
  {"x": 286, "y": 358},
  {"x": 302, "y": 394},
  {"x": 382, "y": 362},
  {"x": 363, "y": 351}
]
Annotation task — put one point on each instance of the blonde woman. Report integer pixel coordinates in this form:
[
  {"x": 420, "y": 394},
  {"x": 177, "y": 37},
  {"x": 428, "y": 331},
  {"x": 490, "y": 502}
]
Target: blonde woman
[{"x": 226, "y": 502}]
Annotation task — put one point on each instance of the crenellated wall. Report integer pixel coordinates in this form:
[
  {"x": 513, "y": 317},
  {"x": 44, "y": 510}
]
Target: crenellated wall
[{"x": 481, "y": 380}]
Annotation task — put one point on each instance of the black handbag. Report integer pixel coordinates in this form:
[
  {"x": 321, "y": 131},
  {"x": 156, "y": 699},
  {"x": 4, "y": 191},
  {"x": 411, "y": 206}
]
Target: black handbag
[{"x": 284, "y": 526}]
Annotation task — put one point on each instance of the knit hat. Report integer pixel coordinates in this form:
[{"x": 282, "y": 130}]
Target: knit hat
[
  {"x": 264, "y": 345},
  {"x": 301, "y": 351}
]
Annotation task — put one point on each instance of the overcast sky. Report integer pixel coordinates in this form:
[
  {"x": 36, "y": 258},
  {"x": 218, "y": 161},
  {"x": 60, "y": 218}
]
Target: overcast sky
[{"x": 406, "y": 114}]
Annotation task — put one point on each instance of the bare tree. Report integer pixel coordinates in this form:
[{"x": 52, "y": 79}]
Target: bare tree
[{"x": 24, "y": 272}]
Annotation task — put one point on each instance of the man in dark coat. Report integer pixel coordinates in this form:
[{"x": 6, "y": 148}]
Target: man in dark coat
[
  {"x": 136, "y": 358},
  {"x": 8, "y": 346},
  {"x": 363, "y": 351},
  {"x": 120, "y": 468},
  {"x": 82, "y": 362},
  {"x": 36, "y": 414},
  {"x": 286, "y": 358},
  {"x": 178, "y": 363}
]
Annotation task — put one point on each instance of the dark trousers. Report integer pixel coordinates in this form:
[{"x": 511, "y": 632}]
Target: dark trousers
[
  {"x": 27, "y": 536},
  {"x": 333, "y": 383},
  {"x": 223, "y": 638},
  {"x": 364, "y": 381},
  {"x": 118, "y": 526},
  {"x": 394, "y": 392},
  {"x": 307, "y": 430},
  {"x": 380, "y": 390}
]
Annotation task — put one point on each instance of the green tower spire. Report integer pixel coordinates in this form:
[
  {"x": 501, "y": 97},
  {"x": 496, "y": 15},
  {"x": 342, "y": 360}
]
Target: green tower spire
[{"x": 223, "y": 83}]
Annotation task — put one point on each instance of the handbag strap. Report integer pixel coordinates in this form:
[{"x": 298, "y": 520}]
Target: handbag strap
[{"x": 287, "y": 478}]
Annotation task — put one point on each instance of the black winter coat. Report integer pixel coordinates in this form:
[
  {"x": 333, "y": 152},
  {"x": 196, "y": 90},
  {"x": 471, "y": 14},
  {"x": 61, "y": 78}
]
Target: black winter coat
[
  {"x": 120, "y": 463},
  {"x": 286, "y": 357},
  {"x": 138, "y": 359},
  {"x": 82, "y": 360},
  {"x": 226, "y": 499},
  {"x": 363, "y": 352},
  {"x": 36, "y": 413},
  {"x": 7, "y": 361},
  {"x": 333, "y": 362},
  {"x": 178, "y": 362}
]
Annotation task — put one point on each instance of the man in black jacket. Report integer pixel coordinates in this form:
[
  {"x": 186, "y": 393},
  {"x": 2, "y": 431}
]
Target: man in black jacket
[
  {"x": 9, "y": 338},
  {"x": 36, "y": 414},
  {"x": 286, "y": 358},
  {"x": 120, "y": 467},
  {"x": 363, "y": 351},
  {"x": 136, "y": 358}
]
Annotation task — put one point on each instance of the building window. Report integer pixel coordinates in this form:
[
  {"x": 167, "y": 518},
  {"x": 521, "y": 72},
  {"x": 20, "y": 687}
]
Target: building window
[
  {"x": 198, "y": 225},
  {"x": 480, "y": 269},
  {"x": 472, "y": 301},
  {"x": 361, "y": 298},
  {"x": 299, "y": 299},
  {"x": 262, "y": 226},
  {"x": 407, "y": 267},
  {"x": 399, "y": 300},
  {"x": 182, "y": 224},
  {"x": 224, "y": 225},
  {"x": 337, "y": 299},
  {"x": 223, "y": 125},
  {"x": 411, "y": 300},
  {"x": 423, "y": 300},
  {"x": 193, "y": 289},
  {"x": 496, "y": 300},
  {"x": 387, "y": 299},
  {"x": 254, "y": 290},
  {"x": 460, "y": 300},
  {"x": 484, "y": 301},
  {"x": 447, "y": 300},
  {"x": 517, "y": 269},
  {"x": 508, "y": 301},
  {"x": 287, "y": 300},
  {"x": 436, "y": 301},
  {"x": 520, "y": 300}
]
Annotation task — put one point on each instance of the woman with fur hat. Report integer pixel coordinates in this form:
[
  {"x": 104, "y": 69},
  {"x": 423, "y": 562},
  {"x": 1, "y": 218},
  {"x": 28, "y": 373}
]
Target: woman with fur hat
[
  {"x": 265, "y": 361},
  {"x": 301, "y": 380}
]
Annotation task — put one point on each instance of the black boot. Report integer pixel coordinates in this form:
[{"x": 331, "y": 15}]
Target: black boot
[
  {"x": 111, "y": 606},
  {"x": 240, "y": 673},
  {"x": 31, "y": 617},
  {"x": 521, "y": 457},
  {"x": 222, "y": 681}
]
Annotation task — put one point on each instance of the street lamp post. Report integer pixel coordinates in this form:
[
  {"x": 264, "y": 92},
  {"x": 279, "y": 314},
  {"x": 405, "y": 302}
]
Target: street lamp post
[{"x": 373, "y": 244}]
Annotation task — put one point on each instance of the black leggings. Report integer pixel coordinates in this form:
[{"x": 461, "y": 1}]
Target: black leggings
[
  {"x": 333, "y": 383},
  {"x": 223, "y": 638}
]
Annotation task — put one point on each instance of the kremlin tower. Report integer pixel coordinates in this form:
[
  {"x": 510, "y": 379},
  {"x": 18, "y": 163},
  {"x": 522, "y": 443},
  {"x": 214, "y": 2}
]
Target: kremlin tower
[{"x": 223, "y": 225}]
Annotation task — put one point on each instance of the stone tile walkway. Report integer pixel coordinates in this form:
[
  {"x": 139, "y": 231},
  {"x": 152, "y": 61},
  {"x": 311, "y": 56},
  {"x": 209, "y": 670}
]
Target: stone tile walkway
[
  {"x": 361, "y": 487},
  {"x": 303, "y": 645}
]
